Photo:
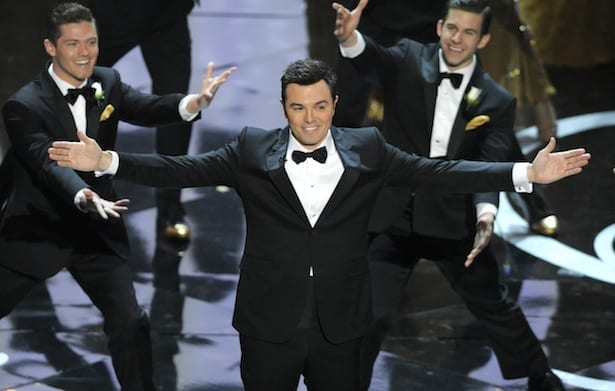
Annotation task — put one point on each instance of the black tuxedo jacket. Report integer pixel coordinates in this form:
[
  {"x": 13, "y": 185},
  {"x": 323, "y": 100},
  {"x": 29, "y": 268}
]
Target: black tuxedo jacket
[
  {"x": 408, "y": 73},
  {"x": 40, "y": 224},
  {"x": 122, "y": 21},
  {"x": 281, "y": 245},
  {"x": 403, "y": 18}
]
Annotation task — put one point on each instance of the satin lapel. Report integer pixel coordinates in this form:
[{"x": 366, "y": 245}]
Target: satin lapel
[
  {"x": 94, "y": 112},
  {"x": 52, "y": 97},
  {"x": 351, "y": 162},
  {"x": 93, "y": 121},
  {"x": 430, "y": 71},
  {"x": 274, "y": 161},
  {"x": 463, "y": 116},
  {"x": 457, "y": 134}
]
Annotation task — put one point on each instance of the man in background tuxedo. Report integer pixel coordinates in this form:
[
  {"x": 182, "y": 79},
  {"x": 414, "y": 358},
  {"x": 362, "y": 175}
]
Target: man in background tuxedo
[
  {"x": 386, "y": 22},
  {"x": 303, "y": 299},
  {"x": 438, "y": 102},
  {"x": 160, "y": 29},
  {"x": 55, "y": 218}
]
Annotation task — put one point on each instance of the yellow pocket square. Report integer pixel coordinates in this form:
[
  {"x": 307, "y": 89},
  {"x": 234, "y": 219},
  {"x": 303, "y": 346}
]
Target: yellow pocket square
[
  {"x": 477, "y": 121},
  {"x": 106, "y": 113}
]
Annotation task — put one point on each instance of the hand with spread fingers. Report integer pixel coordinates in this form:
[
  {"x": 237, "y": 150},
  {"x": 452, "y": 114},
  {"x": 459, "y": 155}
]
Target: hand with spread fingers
[
  {"x": 92, "y": 202},
  {"x": 209, "y": 87},
  {"x": 347, "y": 21},
  {"x": 549, "y": 166}
]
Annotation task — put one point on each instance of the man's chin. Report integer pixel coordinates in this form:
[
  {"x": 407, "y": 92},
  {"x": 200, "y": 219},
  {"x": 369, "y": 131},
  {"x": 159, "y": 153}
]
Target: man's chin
[{"x": 454, "y": 63}]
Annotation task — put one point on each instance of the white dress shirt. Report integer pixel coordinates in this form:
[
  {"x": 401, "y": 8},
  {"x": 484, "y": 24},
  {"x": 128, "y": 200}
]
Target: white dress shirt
[
  {"x": 448, "y": 100},
  {"x": 313, "y": 182}
]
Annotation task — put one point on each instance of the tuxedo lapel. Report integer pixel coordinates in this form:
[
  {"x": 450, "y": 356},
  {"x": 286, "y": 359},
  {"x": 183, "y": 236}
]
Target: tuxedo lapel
[
  {"x": 464, "y": 114},
  {"x": 93, "y": 120},
  {"x": 275, "y": 159},
  {"x": 95, "y": 110},
  {"x": 53, "y": 99},
  {"x": 457, "y": 133},
  {"x": 351, "y": 162},
  {"x": 430, "y": 71}
]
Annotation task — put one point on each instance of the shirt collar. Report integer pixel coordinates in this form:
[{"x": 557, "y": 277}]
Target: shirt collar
[{"x": 62, "y": 85}]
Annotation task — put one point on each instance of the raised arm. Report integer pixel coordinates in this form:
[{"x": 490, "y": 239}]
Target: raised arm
[
  {"x": 346, "y": 22},
  {"x": 209, "y": 87}
]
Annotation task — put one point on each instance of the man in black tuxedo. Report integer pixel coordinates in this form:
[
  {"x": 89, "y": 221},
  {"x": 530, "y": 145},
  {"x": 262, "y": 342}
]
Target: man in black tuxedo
[
  {"x": 303, "y": 300},
  {"x": 438, "y": 102},
  {"x": 55, "y": 218},
  {"x": 160, "y": 29}
]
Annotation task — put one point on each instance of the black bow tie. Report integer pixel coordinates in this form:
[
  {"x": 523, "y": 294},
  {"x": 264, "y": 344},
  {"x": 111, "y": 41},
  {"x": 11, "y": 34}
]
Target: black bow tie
[
  {"x": 455, "y": 78},
  {"x": 320, "y": 155},
  {"x": 73, "y": 93}
]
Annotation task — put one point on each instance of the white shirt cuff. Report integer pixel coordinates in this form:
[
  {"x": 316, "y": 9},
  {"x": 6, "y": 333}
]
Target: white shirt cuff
[
  {"x": 519, "y": 176},
  {"x": 485, "y": 207},
  {"x": 356, "y": 49},
  {"x": 112, "y": 169},
  {"x": 185, "y": 114}
]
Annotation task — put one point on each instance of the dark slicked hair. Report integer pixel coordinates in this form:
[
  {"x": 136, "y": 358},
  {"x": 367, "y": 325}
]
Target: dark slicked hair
[
  {"x": 475, "y": 6},
  {"x": 307, "y": 72},
  {"x": 66, "y": 13}
]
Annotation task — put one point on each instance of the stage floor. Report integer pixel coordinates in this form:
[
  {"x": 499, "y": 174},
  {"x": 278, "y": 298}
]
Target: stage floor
[{"x": 565, "y": 285}]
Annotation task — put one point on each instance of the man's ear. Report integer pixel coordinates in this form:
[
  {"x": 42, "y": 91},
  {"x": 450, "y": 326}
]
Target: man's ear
[
  {"x": 49, "y": 48},
  {"x": 283, "y": 108},
  {"x": 484, "y": 40},
  {"x": 439, "y": 27}
]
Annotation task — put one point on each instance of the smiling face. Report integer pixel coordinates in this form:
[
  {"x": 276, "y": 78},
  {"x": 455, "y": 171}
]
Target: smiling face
[
  {"x": 75, "y": 52},
  {"x": 309, "y": 110},
  {"x": 460, "y": 37}
]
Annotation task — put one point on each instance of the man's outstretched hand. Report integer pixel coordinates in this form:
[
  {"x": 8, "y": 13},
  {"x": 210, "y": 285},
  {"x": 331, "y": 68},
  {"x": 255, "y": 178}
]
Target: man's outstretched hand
[
  {"x": 84, "y": 155},
  {"x": 209, "y": 87},
  {"x": 549, "y": 166},
  {"x": 93, "y": 203}
]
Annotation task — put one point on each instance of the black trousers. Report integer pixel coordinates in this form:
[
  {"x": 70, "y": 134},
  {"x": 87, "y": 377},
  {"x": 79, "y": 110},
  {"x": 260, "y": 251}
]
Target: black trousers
[
  {"x": 166, "y": 52},
  {"x": 107, "y": 280},
  {"x": 325, "y": 366},
  {"x": 392, "y": 260}
]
